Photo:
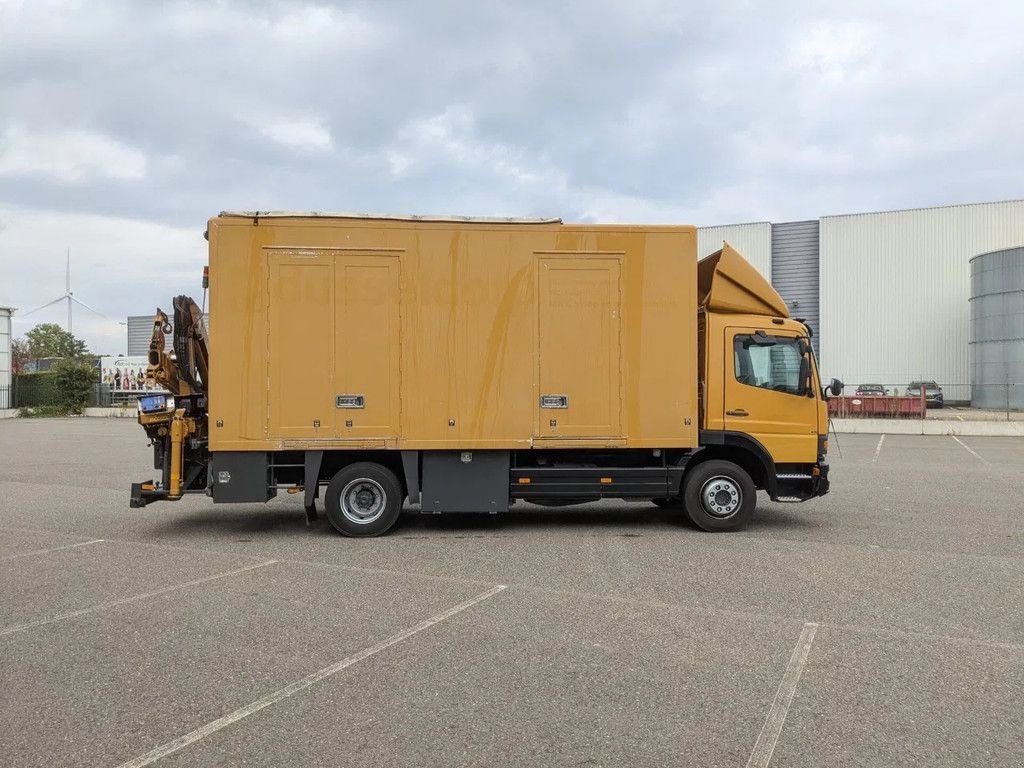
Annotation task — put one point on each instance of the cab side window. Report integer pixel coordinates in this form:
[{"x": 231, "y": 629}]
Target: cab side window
[{"x": 768, "y": 362}]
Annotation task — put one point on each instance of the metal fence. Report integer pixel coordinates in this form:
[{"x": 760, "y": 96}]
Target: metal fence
[
  {"x": 106, "y": 396},
  {"x": 34, "y": 390},
  {"x": 40, "y": 390}
]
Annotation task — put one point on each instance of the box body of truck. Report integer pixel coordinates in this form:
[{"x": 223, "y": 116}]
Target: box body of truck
[
  {"x": 353, "y": 333},
  {"x": 466, "y": 364}
]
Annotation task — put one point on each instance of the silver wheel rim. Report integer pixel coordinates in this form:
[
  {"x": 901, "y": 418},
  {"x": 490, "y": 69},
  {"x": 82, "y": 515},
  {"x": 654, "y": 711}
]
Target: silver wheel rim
[
  {"x": 363, "y": 501},
  {"x": 721, "y": 497}
]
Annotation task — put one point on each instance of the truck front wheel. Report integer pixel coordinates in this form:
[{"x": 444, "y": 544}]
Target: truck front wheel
[
  {"x": 363, "y": 499},
  {"x": 719, "y": 496}
]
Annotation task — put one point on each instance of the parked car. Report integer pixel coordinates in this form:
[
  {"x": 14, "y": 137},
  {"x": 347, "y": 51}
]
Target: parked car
[
  {"x": 870, "y": 389},
  {"x": 932, "y": 392}
]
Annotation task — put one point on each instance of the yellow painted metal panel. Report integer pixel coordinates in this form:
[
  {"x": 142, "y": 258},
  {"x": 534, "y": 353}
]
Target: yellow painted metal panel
[
  {"x": 587, "y": 442},
  {"x": 579, "y": 357},
  {"x": 367, "y": 345},
  {"x": 785, "y": 424},
  {"x": 467, "y": 331},
  {"x": 728, "y": 283},
  {"x": 300, "y": 354}
]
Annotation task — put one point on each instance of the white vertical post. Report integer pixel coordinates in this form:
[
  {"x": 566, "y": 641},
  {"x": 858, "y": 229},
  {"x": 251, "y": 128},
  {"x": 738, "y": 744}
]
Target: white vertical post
[{"x": 67, "y": 288}]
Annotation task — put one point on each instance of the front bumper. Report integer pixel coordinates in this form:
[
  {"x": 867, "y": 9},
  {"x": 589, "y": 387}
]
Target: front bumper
[{"x": 821, "y": 483}]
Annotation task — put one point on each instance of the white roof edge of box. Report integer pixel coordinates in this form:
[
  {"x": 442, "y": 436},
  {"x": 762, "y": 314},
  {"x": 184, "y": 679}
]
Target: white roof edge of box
[{"x": 388, "y": 216}]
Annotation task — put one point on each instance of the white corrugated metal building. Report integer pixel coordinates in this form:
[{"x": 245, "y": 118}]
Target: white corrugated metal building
[
  {"x": 754, "y": 241},
  {"x": 887, "y": 293},
  {"x": 5, "y": 357},
  {"x": 140, "y": 331}
]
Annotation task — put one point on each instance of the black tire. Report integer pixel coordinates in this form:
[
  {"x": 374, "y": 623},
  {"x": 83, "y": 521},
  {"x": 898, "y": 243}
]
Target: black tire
[
  {"x": 363, "y": 499},
  {"x": 670, "y": 503},
  {"x": 719, "y": 496}
]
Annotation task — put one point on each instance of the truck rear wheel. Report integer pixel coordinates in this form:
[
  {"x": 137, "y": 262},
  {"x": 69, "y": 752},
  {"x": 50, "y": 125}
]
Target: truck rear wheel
[
  {"x": 719, "y": 496},
  {"x": 363, "y": 499}
]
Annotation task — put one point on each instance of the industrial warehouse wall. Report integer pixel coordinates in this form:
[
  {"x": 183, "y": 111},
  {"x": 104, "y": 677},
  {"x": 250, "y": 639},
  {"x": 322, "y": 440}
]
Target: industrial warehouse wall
[
  {"x": 140, "y": 331},
  {"x": 753, "y": 241},
  {"x": 795, "y": 270},
  {"x": 894, "y": 290}
]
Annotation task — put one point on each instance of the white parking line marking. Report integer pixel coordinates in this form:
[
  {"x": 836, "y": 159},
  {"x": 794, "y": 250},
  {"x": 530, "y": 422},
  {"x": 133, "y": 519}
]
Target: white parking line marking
[
  {"x": 878, "y": 448},
  {"x": 299, "y": 685},
  {"x": 769, "y": 737},
  {"x": 124, "y": 600},
  {"x": 969, "y": 449},
  {"x": 287, "y": 561},
  {"x": 51, "y": 549}
]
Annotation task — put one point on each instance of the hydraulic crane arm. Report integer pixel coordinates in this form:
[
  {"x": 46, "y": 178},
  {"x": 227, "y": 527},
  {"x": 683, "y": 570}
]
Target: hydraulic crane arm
[
  {"x": 187, "y": 372},
  {"x": 177, "y": 424}
]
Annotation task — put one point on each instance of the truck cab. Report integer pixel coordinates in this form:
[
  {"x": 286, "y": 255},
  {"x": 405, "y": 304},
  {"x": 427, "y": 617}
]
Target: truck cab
[{"x": 762, "y": 399}]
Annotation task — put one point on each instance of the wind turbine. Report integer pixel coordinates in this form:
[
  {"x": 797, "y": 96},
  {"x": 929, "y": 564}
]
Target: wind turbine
[{"x": 68, "y": 296}]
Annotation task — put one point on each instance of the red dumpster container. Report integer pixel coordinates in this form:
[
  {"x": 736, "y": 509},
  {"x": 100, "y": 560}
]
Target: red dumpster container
[{"x": 875, "y": 407}]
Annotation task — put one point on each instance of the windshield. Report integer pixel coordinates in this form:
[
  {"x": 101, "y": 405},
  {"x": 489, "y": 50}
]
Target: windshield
[{"x": 769, "y": 362}]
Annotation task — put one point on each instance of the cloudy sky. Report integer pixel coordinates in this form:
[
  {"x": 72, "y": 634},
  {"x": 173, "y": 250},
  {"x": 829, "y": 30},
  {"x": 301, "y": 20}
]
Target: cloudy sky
[{"x": 125, "y": 125}]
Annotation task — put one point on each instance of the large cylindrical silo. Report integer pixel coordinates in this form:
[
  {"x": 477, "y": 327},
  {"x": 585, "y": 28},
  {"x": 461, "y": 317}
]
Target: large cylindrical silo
[{"x": 997, "y": 329}]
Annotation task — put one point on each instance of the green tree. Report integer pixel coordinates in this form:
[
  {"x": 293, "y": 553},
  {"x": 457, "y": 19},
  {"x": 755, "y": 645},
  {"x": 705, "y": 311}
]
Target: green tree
[
  {"x": 50, "y": 340},
  {"x": 19, "y": 355},
  {"x": 74, "y": 384}
]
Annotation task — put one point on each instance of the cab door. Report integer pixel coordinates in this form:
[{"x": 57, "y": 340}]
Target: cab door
[{"x": 763, "y": 393}]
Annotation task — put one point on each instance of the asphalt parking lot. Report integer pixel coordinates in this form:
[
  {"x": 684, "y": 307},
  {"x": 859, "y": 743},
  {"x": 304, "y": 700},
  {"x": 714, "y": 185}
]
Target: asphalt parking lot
[{"x": 880, "y": 626}]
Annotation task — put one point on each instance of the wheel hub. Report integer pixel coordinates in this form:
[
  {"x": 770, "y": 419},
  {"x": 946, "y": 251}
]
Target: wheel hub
[
  {"x": 363, "y": 501},
  {"x": 721, "y": 497}
]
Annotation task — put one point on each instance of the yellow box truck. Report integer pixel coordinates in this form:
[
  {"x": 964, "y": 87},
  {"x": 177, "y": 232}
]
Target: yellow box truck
[{"x": 468, "y": 364}]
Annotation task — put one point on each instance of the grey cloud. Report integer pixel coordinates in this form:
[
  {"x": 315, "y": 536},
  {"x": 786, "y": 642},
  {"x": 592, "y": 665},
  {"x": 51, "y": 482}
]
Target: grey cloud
[
  {"x": 708, "y": 112},
  {"x": 642, "y": 100}
]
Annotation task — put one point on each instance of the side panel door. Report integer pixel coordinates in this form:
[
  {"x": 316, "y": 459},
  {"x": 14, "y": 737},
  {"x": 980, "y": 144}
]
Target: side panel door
[
  {"x": 299, "y": 345},
  {"x": 761, "y": 378},
  {"x": 367, "y": 349},
  {"x": 579, "y": 347}
]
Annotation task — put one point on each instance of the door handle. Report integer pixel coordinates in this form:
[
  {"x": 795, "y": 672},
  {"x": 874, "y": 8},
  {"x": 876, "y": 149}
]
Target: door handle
[{"x": 737, "y": 412}]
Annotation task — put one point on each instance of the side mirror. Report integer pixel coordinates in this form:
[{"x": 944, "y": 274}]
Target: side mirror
[
  {"x": 805, "y": 375},
  {"x": 836, "y": 388}
]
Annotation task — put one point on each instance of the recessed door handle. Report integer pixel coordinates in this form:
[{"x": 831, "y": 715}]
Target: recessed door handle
[
  {"x": 737, "y": 412},
  {"x": 554, "y": 401}
]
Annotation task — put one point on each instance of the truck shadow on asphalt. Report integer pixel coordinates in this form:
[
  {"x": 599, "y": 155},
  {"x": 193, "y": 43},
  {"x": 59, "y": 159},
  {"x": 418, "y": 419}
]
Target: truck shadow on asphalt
[
  {"x": 235, "y": 521},
  {"x": 781, "y": 519},
  {"x": 625, "y": 521}
]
